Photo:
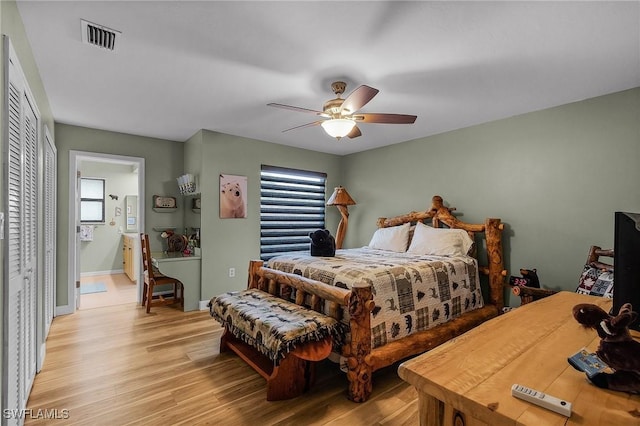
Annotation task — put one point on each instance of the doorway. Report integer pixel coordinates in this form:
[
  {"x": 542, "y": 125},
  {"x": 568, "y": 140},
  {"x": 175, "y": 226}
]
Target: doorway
[{"x": 99, "y": 279}]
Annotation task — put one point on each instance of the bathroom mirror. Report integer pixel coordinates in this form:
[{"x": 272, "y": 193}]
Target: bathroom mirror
[{"x": 131, "y": 202}]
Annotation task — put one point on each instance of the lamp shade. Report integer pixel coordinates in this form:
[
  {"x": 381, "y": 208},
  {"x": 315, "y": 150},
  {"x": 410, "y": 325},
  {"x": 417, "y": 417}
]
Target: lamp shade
[
  {"x": 340, "y": 197},
  {"x": 338, "y": 127}
]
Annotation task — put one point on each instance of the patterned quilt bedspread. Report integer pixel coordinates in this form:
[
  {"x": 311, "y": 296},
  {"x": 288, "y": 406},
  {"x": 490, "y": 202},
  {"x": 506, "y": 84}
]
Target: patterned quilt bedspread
[{"x": 411, "y": 292}]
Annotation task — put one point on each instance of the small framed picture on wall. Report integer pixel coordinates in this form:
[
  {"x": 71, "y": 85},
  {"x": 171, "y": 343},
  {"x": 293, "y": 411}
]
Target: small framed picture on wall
[{"x": 233, "y": 198}]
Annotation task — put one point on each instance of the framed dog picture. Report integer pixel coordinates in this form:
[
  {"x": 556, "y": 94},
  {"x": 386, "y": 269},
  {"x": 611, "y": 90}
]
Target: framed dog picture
[{"x": 233, "y": 196}]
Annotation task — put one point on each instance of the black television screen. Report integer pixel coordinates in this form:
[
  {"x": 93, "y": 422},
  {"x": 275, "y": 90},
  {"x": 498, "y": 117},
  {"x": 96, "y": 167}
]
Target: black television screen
[{"x": 626, "y": 262}]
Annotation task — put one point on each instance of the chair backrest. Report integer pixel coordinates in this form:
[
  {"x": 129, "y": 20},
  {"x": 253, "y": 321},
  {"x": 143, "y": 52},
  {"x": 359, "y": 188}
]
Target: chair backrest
[
  {"x": 594, "y": 258},
  {"x": 597, "y": 276},
  {"x": 146, "y": 256}
]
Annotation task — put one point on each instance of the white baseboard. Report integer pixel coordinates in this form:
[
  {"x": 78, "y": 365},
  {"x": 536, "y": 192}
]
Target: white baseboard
[
  {"x": 41, "y": 356},
  {"x": 95, "y": 273},
  {"x": 63, "y": 310},
  {"x": 67, "y": 309}
]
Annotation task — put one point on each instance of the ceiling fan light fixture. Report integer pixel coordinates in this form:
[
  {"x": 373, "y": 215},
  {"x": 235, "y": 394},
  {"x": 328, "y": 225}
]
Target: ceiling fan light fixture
[
  {"x": 339, "y": 113},
  {"x": 338, "y": 127}
]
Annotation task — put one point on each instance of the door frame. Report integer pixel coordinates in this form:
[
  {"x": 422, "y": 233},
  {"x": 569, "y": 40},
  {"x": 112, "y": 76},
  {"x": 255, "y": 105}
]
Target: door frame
[{"x": 75, "y": 158}]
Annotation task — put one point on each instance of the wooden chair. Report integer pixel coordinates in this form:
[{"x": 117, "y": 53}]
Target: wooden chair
[
  {"x": 529, "y": 294},
  {"x": 153, "y": 278},
  {"x": 594, "y": 258}
]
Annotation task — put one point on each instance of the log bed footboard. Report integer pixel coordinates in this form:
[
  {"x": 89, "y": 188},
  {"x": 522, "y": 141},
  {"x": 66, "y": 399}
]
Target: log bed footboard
[
  {"x": 330, "y": 301},
  {"x": 362, "y": 360}
]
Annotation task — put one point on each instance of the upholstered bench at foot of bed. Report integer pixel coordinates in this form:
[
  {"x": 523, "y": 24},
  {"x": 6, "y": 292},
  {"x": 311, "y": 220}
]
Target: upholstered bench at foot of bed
[{"x": 279, "y": 339}]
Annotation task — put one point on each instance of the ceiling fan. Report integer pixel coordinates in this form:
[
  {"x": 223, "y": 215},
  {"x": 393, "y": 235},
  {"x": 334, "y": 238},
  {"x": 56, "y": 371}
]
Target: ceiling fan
[{"x": 340, "y": 117}]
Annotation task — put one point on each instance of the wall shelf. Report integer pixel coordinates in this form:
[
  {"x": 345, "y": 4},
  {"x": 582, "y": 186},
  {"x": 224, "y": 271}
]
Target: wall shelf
[
  {"x": 165, "y": 209},
  {"x": 196, "y": 210},
  {"x": 163, "y": 228}
]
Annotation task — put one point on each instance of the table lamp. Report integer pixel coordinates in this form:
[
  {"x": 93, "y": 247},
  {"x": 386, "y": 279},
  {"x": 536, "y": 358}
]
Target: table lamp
[{"x": 341, "y": 199}]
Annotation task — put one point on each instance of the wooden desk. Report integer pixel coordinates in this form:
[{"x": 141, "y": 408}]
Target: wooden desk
[
  {"x": 184, "y": 268},
  {"x": 467, "y": 381}
]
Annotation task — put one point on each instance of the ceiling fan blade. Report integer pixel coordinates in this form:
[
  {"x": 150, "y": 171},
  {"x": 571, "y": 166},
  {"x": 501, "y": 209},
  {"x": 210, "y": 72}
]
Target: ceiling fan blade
[
  {"x": 315, "y": 123},
  {"x": 358, "y": 98},
  {"x": 354, "y": 133},
  {"x": 385, "y": 118},
  {"x": 294, "y": 108}
]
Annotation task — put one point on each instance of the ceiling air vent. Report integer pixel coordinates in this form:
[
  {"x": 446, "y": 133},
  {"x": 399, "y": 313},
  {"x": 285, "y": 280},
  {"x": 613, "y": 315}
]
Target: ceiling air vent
[{"x": 99, "y": 36}]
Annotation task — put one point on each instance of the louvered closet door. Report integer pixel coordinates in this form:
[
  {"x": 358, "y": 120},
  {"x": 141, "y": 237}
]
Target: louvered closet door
[{"x": 21, "y": 243}]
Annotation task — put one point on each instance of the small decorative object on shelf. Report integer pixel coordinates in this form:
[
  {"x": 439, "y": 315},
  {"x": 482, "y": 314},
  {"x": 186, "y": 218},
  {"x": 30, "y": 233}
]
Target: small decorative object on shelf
[
  {"x": 176, "y": 242},
  {"x": 162, "y": 202},
  {"x": 195, "y": 207},
  {"x": 186, "y": 184}
]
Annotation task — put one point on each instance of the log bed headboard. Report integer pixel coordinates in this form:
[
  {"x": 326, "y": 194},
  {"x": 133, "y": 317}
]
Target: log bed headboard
[{"x": 440, "y": 215}]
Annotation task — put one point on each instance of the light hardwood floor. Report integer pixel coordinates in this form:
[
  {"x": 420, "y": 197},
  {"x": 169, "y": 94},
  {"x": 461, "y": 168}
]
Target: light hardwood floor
[
  {"x": 119, "y": 366},
  {"x": 120, "y": 290}
]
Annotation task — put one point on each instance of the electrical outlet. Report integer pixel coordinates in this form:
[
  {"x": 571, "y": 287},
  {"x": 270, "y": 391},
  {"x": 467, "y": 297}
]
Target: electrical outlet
[{"x": 232, "y": 272}]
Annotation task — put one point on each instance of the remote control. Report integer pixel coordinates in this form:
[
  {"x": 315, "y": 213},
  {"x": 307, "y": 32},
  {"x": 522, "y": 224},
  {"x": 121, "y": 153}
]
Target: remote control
[{"x": 543, "y": 400}]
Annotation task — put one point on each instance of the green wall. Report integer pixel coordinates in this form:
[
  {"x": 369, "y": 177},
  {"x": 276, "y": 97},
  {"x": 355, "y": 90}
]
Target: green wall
[
  {"x": 226, "y": 243},
  {"x": 231, "y": 243},
  {"x": 163, "y": 163},
  {"x": 555, "y": 177},
  {"x": 104, "y": 253},
  {"x": 193, "y": 164}
]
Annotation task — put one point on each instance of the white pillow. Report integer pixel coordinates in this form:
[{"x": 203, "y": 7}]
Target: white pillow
[
  {"x": 440, "y": 241},
  {"x": 394, "y": 238}
]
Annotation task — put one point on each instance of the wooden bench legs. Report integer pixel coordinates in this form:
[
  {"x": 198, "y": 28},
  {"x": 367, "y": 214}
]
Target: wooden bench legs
[{"x": 292, "y": 377}]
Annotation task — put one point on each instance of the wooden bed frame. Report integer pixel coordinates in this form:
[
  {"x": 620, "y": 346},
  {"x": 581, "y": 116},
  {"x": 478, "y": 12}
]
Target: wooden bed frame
[{"x": 362, "y": 360}]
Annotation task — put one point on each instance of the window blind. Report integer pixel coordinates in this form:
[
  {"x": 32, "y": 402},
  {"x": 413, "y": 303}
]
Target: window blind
[{"x": 292, "y": 204}]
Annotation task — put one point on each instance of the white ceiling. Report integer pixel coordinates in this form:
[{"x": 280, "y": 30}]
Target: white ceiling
[{"x": 184, "y": 66}]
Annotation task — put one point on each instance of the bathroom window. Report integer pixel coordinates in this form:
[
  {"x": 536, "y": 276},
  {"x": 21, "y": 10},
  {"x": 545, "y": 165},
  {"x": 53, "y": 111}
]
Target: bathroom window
[{"x": 91, "y": 200}]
